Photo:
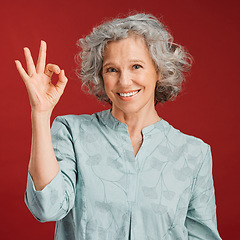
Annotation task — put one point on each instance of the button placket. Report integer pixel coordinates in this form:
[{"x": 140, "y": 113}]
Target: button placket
[{"x": 132, "y": 187}]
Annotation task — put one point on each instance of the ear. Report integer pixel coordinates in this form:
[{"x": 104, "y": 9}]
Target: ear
[
  {"x": 158, "y": 83},
  {"x": 160, "y": 77}
]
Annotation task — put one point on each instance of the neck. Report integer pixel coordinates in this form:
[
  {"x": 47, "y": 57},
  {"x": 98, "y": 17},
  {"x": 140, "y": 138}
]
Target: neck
[{"x": 136, "y": 121}]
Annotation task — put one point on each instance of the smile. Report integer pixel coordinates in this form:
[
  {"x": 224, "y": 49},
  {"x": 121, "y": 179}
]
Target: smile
[{"x": 129, "y": 94}]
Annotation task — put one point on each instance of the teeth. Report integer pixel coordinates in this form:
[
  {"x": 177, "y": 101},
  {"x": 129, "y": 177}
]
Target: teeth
[{"x": 128, "y": 94}]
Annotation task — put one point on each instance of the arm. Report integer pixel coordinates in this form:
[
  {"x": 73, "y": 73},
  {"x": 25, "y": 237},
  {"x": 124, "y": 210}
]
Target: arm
[
  {"x": 43, "y": 165},
  {"x": 43, "y": 96},
  {"x": 56, "y": 199},
  {"x": 50, "y": 194},
  {"x": 201, "y": 216}
]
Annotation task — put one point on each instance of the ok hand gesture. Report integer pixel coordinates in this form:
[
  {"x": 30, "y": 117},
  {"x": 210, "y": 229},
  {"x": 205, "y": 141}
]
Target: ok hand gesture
[{"x": 42, "y": 93}]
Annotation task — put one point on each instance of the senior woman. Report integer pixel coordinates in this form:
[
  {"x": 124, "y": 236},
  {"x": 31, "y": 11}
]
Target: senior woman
[{"x": 123, "y": 173}]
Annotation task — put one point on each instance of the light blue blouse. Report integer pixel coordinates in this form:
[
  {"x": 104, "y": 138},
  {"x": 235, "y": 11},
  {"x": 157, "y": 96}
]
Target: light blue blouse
[{"x": 104, "y": 192}]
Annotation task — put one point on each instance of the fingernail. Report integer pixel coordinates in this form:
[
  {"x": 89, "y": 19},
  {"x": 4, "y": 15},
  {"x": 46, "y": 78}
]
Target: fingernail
[{"x": 43, "y": 42}]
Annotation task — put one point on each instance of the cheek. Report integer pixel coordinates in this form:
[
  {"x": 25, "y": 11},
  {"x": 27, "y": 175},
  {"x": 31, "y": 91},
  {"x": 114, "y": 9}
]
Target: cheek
[
  {"x": 154, "y": 78},
  {"x": 148, "y": 80},
  {"x": 108, "y": 85},
  {"x": 105, "y": 82}
]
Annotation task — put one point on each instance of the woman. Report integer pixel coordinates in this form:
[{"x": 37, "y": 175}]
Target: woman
[{"x": 122, "y": 173}]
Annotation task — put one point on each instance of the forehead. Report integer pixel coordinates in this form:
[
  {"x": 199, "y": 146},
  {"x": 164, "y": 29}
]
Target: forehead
[{"x": 131, "y": 47}]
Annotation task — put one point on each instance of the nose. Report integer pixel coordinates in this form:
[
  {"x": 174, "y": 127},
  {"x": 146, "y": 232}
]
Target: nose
[{"x": 125, "y": 79}]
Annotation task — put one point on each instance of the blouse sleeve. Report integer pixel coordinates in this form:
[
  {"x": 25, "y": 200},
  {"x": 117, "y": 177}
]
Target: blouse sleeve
[
  {"x": 201, "y": 216},
  {"x": 57, "y": 198}
]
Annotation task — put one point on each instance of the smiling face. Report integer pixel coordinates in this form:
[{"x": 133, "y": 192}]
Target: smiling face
[{"x": 129, "y": 76}]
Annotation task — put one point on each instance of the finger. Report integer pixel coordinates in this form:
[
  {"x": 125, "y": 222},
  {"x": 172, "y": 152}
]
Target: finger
[
  {"x": 41, "y": 62},
  {"x": 30, "y": 64},
  {"x": 21, "y": 71},
  {"x": 62, "y": 82},
  {"x": 51, "y": 68}
]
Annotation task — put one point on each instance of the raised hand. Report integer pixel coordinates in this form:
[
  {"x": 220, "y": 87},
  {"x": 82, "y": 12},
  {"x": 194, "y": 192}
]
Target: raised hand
[{"x": 42, "y": 93}]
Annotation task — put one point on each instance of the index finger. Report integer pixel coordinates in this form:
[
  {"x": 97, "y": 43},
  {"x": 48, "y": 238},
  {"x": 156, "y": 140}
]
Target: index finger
[{"x": 41, "y": 62}]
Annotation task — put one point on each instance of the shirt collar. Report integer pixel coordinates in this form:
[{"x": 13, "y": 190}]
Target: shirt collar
[{"x": 155, "y": 128}]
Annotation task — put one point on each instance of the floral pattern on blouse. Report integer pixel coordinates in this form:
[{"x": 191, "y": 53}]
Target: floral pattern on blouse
[{"x": 104, "y": 192}]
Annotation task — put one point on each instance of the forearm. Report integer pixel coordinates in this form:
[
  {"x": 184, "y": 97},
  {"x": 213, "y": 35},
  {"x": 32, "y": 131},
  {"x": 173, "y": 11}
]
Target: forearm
[
  {"x": 58, "y": 188},
  {"x": 43, "y": 165}
]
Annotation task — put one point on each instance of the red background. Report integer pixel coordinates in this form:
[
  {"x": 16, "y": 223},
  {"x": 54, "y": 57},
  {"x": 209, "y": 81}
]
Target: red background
[{"x": 208, "y": 108}]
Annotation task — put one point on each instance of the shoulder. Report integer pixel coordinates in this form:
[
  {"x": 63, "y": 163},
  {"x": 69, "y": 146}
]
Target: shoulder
[
  {"x": 191, "y": 147},
  {"x": 74, "y": 119},
  {"x": 74, "y": 122},
  {"x": 180, "y": 137}
]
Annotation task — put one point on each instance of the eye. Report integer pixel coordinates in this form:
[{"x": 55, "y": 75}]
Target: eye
[
  {"x": 137, "y": 66},
  {"x": 111, "y": 69}
]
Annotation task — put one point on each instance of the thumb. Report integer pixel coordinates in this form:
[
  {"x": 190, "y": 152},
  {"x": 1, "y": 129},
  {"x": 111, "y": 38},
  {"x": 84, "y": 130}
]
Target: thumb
[{"x": 62, "y": 81}]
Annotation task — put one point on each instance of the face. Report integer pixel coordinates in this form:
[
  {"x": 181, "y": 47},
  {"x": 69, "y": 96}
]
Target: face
[{"x": 129, "y": 75}]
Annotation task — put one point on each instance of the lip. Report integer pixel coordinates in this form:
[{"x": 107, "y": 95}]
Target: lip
[{"x": 130, "y": 97}]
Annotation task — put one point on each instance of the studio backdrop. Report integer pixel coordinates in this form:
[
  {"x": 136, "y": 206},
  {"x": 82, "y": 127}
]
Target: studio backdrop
[{"x": 208, "y": 106}]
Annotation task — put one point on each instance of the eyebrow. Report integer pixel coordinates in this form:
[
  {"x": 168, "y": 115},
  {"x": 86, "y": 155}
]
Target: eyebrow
[
  {"x": 131, "y": 60},
  {"x": 136, "y": 60}
]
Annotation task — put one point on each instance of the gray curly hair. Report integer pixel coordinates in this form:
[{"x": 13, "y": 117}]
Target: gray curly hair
[{"x": 170, "y": 59}]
